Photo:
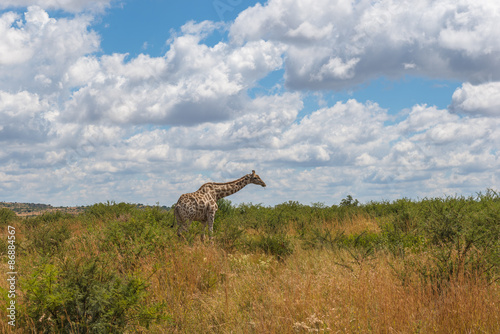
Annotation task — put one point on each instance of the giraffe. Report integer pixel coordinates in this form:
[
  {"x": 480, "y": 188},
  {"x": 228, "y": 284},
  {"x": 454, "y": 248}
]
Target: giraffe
[{"x": 202, "y": 204}]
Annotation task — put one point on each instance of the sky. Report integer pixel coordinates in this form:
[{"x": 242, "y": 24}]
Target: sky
[{"x": 141, "y": 101}]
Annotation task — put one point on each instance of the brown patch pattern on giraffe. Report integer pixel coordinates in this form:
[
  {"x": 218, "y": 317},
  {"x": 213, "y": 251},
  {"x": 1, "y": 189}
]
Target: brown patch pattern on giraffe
[{"x": 202, "y": 204}]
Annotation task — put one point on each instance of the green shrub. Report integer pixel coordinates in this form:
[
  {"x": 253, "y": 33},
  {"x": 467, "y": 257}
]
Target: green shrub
[
  {"x": 132, "y": 239},
  {"x": 159, "y": 217},
  {"x": 398, "y": 242},
  {"x": 225, "y": 209},
  {"x": 275, "y": 244},
  {"x": 109, "y": 210},
  {"x": 83, "y": 298},
  {"x": 46, "y": 218},
  {"x": 47, "y": 236},
  {"x": 229, "y": 234},
  {"x": 367, "y": 240},
  {"x": 6, "y": 216},
  {"x": 461, "y": 238}
]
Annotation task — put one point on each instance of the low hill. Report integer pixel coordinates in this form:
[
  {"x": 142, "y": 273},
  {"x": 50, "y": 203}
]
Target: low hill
[{"x": 35, "y": 209}]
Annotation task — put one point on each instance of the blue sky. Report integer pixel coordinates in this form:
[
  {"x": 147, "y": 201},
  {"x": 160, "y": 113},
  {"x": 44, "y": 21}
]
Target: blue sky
[{"x": 141, "y": 101}]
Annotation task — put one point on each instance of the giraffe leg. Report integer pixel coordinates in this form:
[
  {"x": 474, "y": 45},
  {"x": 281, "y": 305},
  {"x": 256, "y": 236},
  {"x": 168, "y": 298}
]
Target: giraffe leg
[
  {"x": 203, "y": 231},
  {"x": 182, "y": 227},
  {"x": 180, "y": 221},
  {"x": 211, "y": 218}
]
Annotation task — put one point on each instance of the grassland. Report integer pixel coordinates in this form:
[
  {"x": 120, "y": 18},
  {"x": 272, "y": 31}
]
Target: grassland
[{"x": 427, "y": 266}]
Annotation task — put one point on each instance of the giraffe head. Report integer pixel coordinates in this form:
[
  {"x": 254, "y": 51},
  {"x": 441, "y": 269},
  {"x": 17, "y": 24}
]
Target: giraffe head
[{"x": 255, "y": 179}]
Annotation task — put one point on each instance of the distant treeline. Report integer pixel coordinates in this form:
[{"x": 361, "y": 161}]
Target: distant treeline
[
  {"x": 25, "y": 207},
  {"x": 39, "y": 208}
]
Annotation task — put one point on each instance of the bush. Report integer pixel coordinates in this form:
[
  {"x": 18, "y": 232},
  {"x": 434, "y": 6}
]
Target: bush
[
  {"x": 158, "y": 216},
  {"x": 6, "y": 216},
  {"x": 275, "y": 244},
  {"x": 82, "y": 298},
  {"x": 48, "y": 232},
  {"x": 49, "y": 238},
  {"x": 224, "y": 208},
  {"x": 137, "y": 235},
  {"x": 461, "y": 238},
  {"x": 109, "y": 210},
  {"x": 229, "y": 235}
]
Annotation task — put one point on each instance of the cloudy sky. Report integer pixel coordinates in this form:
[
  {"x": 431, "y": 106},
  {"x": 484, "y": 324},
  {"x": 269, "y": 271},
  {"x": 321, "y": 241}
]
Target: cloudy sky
[{"x": 143, "y": 100}]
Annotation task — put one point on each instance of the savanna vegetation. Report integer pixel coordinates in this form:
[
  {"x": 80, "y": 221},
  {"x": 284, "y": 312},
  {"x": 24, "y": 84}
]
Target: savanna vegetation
[{"x": 426, "y": 266}]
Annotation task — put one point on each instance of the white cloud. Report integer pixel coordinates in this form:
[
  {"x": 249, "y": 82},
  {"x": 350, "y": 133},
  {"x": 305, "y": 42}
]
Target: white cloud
[
  {"x": 337, "y": 69},
  {"x": 473, "y": 29},
  {"x": 192, "y": 84},
  {"x": 482, "y": 99},
  {"x": 346, "y": 128},
  {"x": 344, "y": 149},
  {"x": 82, "y": 71},
  {"x": 15, "y": 42},
  {"x": 36, "y": 51},
  {"x": 201, "y": 29},
  {"x": 23, "y": 118},
  {"x": 337, "y": 44},
  {"x": 307, "y": 32},
  {"x": 259, "y": 126},
  {"x": 422, "y": 118}
]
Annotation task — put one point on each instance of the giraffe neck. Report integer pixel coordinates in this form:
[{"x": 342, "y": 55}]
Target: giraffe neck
[{"x": 225, "y": 189}]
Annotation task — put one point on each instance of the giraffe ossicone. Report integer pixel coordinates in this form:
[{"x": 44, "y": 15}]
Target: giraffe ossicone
[{"x": 201, "y": 205}]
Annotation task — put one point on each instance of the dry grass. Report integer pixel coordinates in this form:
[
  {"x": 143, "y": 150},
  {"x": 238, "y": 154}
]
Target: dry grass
[{"x": 207, "y": 290}]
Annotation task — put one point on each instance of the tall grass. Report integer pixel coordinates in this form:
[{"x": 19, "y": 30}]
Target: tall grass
[{"x": 406, "y": 266}]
